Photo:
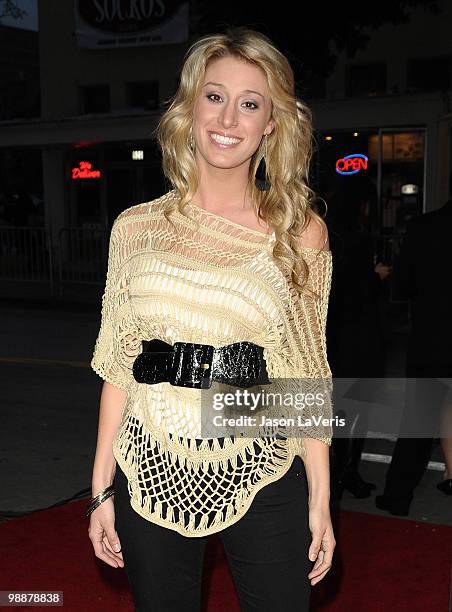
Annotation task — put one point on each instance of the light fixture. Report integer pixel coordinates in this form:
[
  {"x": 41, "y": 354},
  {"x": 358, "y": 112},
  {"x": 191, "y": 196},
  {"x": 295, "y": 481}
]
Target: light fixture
[
  {"x": 328, "y": 138},
  {"x": 409, "y": 189},
  {"x": 137, "y": 154},
  {"x": 355, "y": 133}
]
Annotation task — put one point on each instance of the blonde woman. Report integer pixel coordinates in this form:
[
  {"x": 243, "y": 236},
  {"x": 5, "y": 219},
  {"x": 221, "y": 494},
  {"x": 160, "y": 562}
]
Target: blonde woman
[{"x": 223, "y": 280}]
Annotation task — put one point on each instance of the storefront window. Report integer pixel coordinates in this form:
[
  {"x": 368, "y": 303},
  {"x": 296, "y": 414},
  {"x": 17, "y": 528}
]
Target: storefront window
[
  {"x": 345, "y": 174},
  {"x": 373, "y": 182},
  {"x": 384, "y": 167},
  {"x": 402, "y": 177},
  {"x": 107, "y": 179}
]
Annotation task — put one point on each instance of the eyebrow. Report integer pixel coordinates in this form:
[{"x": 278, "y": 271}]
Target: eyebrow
[{"x": 244, "y": 91}]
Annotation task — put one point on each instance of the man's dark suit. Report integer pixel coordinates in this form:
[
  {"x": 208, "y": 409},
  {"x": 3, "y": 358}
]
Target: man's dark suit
[{"x": 424, "y": 275}]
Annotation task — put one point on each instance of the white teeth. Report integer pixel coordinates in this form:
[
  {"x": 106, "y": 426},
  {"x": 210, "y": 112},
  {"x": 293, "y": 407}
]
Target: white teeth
[{"x": 224, "y": 140}]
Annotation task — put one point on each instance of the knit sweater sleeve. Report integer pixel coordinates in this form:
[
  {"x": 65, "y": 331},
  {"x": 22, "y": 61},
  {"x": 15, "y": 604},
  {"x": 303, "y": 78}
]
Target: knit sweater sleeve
[
  {"x": 320, "y": 264},
  {"x": 118, "y": 341},
  {"x": 297, "y": 364}
]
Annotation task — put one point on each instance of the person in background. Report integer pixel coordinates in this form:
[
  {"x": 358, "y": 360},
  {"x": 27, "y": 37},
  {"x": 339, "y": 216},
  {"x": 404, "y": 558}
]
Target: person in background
[
  {"x": 355, "y": 335},
  {"x": 423, "y": 275}
]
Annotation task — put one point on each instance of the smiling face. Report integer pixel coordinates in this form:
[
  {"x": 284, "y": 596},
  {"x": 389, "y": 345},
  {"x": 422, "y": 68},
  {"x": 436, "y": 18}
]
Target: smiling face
[{"x": 232, "y": 113}]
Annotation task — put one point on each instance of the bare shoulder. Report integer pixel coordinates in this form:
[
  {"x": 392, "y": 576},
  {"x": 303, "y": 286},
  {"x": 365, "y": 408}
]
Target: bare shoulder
[{"x": 315, "y": 236}]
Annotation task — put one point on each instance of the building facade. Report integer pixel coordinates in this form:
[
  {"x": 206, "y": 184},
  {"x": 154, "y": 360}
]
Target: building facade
[
  {"x": 387, "y": 113},
  {"x": 107, "y": 67}
]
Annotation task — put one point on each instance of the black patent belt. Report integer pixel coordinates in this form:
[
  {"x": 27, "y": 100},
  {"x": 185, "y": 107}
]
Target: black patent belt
[{"x": 187, "y": 364}]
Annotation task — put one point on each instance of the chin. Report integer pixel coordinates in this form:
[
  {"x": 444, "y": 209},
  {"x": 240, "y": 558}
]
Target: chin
[
  {"x": 222, "y": 166},
  {"x": 222, "y": 161}
]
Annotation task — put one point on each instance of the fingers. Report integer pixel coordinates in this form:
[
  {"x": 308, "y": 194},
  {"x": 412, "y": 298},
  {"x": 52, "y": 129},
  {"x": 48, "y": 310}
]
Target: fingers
[
  {"x": 321, "y": 567},
  {"x": 113, "y": 539},
  {"x": 315, "y": 547},
  {"x": 116, "y": 558},
  {"x": 101, "y": 552},
  {"x": 108, "y": 545},
  {"x": 104, "y": 542},
  {"x": 321, "y": 551},
  {"x": 116, "y": 555}
]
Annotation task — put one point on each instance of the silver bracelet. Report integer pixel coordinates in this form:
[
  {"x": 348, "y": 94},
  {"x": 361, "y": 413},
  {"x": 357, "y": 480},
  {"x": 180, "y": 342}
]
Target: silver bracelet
[{"x": 99, "y": 499}]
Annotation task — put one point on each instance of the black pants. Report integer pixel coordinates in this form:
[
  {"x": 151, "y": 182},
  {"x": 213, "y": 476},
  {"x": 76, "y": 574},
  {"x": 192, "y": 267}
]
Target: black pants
[
  {"x": 267, "y": 551},
  {"x": 412, "y": 454}
]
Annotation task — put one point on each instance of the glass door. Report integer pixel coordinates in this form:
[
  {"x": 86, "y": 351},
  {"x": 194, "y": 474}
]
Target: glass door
[{"x": 400, "y": 154}]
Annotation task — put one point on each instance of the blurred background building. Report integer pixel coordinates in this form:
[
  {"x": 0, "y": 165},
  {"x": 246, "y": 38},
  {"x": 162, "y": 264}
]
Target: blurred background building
[
  {"x": 81, "y": 95},
  {"x": 391, "y": 105}
]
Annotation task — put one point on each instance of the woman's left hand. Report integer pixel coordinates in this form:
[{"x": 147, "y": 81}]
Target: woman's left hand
[{"x": 323, "y": 542}]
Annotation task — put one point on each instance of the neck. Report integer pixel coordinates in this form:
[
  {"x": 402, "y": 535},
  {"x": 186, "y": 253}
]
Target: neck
[{"x": 222, "y": 188}]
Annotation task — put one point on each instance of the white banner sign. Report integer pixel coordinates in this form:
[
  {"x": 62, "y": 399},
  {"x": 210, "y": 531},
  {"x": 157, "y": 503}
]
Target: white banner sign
[{"x": 129, "y": 23}]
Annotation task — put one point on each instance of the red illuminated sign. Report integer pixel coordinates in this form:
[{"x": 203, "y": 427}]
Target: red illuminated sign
[
  {"x": 351, "y": 164},
  {"x": 84, "y": 171}
]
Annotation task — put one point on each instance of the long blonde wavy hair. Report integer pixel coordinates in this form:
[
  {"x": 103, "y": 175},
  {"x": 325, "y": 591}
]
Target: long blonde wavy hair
[{"x": 287, "y": 206}]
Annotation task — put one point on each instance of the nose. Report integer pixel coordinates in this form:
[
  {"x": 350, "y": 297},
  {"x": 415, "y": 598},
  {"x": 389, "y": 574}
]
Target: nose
[{"x": 228, "y": 117}]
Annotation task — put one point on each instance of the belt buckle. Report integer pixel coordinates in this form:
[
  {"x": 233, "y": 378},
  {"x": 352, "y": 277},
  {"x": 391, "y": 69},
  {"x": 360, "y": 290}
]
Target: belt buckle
[{"x": 192, "y": 365}]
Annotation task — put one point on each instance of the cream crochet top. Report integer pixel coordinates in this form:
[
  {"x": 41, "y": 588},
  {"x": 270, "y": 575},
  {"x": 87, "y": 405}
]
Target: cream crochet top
[{"x": 216, "y": 283}]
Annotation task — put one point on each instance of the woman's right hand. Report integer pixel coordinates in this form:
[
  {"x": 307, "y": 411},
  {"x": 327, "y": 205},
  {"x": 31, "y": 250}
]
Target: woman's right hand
[{"x": 103, "y": 535}]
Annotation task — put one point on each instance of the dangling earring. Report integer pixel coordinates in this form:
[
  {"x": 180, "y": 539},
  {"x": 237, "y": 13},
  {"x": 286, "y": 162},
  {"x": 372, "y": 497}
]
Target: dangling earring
[
  {"x": 326, "y": 207},
  {"x": 191, "y": 142},
  {"x": 261, "y": 180}
]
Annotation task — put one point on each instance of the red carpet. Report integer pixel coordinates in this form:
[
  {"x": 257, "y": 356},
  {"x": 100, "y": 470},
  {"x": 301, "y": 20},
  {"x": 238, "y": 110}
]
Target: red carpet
[{"x": 381, "y": 564}]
